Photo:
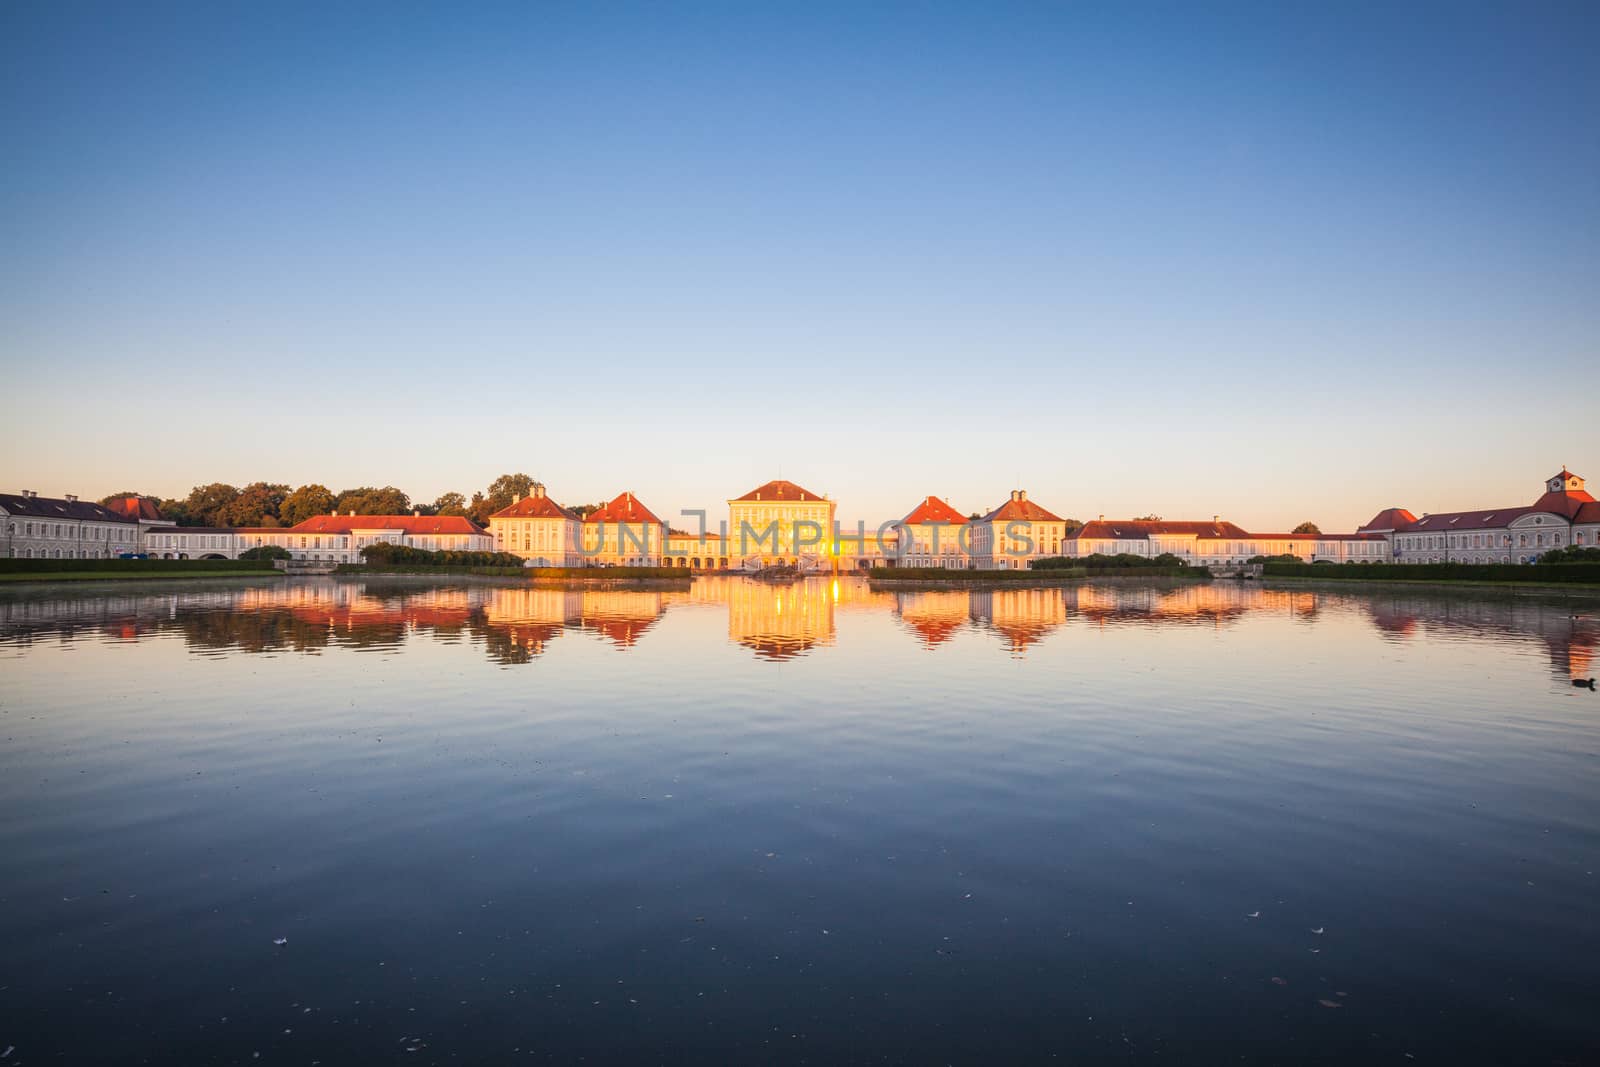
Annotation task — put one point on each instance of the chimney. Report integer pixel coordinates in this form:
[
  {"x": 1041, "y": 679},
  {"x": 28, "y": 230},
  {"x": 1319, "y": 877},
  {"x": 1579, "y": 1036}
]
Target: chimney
[
  {"x": 1102, "y": 518},
  {"x": 29, "y": 494},
  {"x": 416, "y": 513},
  {"x": 1216, "y": 518},
  {"x": 538, "y": 489},
  {"x": 758, "y": 496},
  {"x": 71, "y": 498},
  {"x": 352, "y": 511},
  {"x": 1022, "y": 494}
]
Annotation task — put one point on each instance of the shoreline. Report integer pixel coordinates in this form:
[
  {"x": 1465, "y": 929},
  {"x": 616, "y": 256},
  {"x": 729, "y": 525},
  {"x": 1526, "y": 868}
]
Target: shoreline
[
  {"x": 22, "y": 578},
  {"x": 1578, "y": 590}
]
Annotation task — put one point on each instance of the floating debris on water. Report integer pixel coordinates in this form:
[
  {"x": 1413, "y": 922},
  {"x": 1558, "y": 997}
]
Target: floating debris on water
[{"x": 280, "y": 941}]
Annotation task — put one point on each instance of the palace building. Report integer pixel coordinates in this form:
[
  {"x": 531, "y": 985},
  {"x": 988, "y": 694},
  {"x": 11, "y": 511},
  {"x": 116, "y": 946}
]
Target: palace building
[
  {"x": 623, "y": 533},
  {"x": 1016, "y": 534},
  {"x": 931, "y": 535},
  {"x": 780, "y": 522},
  {"x": 696, "y": 552},
  {"x": 42, "y": 527},
  {"x": 542, "y": 532},
  {"x": 1565, "y": 515},
  {"x": 1217, "y": 543},
  {"x": 336, "y": 538}
]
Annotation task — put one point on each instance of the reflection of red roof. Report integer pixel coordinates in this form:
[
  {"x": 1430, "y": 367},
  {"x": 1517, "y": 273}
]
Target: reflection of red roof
[
  {"x": 1389, "y": 519},
  {"x": 1021, "y": 510},
  {"x": 535, "y": 507},
  {"x": 625, "y": 508},
  {"x": 934, "y": 510},
  {"x": 623, "y": 633},
  {"x": 411, "y": 524},
  {"x": 935, "y": 631},
  {"x": 778, "y": 489}
]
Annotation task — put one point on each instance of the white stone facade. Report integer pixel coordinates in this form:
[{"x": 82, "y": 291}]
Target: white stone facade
[{"x": 36, "y": 527}]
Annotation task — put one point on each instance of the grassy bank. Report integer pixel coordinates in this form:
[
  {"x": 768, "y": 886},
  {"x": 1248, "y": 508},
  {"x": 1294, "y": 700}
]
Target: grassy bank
[
  {"x": 122, "y": 576},
  {"x": 1043, "y": 575},
  {"x": 111, "y": 570},
  {"x": 969, "y": 577},
  {"x": 1483, "y": 574}
]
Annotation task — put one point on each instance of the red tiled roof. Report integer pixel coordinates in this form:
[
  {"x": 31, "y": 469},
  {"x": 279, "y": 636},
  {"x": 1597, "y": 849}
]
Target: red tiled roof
[
  {"x": 135, "y": 507},
  {"x": 625, "y": 508},
  {"x": 778, "y": 489},
  {"x": 1568, "y": 503},
  {"x": 1389, "y": 519},
  {"x": 1141, "y": 529},
  {"x": 1589, "y": 512},
  {"x": 50, "y": 507},
  {"x": 535, "y": 507},
  {"x": 1486, "y": 519},
  {"x": 1015, "y": 510},
  {"x": 1565, "y": 503},
  {"x": 411, "y": 524},
  {"x": 1357, "y": 536},
  {"x": 934, "y": 510}
]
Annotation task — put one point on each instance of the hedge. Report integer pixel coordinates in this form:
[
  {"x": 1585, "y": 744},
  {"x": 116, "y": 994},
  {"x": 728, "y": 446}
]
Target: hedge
[
  {"x": 1580, "y": 573},
  {"x": 945, "y": 574},
  {"x": 1101, "y": 561},
  {"x": 133, "y": 566},
  {"x": 513, "y": 572},
  {"x": 385, "y": 554}
]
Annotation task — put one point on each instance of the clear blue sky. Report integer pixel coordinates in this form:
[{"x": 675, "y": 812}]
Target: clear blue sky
[{"x": 1270, "y": 261}]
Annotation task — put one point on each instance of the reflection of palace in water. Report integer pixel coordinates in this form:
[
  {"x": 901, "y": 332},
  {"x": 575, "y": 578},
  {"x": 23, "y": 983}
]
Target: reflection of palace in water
[{"x": 517, "y": 623}]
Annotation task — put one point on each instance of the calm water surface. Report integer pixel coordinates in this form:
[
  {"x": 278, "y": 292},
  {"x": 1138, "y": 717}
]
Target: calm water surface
[{"x": 810, "y": 824}]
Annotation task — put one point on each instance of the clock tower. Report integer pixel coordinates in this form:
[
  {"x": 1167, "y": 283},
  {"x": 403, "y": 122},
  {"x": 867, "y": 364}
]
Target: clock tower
[{"x": 1565, "y": 482}]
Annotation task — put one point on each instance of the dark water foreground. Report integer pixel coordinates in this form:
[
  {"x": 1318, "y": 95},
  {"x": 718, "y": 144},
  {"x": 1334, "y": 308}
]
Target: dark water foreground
[{"x": 357, "y": 822}]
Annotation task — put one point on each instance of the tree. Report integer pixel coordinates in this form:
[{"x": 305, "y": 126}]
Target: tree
[
  {"x": 508, "y": 489},
  {"x": 178, "y": 511},
  {"x": 450, "y": 504},
  {"x": 105, "y": 501},
  {"x": 256, "y": 505},
  {"x": 369, "y": 501},
  {"x": 1073, "y": 526},
  {"x": 1571, "y": 554},
  {"x": 205, "y": 505},
  {"x": 304, "y": 503},
  {"x": 1307, "y": 527},
  {"x": 583, "y": 511},
  {"x": 503, "y": 492},
  {"x": 266, "y": 552},
  {"x": 1148, "y": 518}
]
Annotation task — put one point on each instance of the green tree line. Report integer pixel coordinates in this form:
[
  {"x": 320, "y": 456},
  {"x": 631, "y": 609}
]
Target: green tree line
[{"x": 275, "y": 504}]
